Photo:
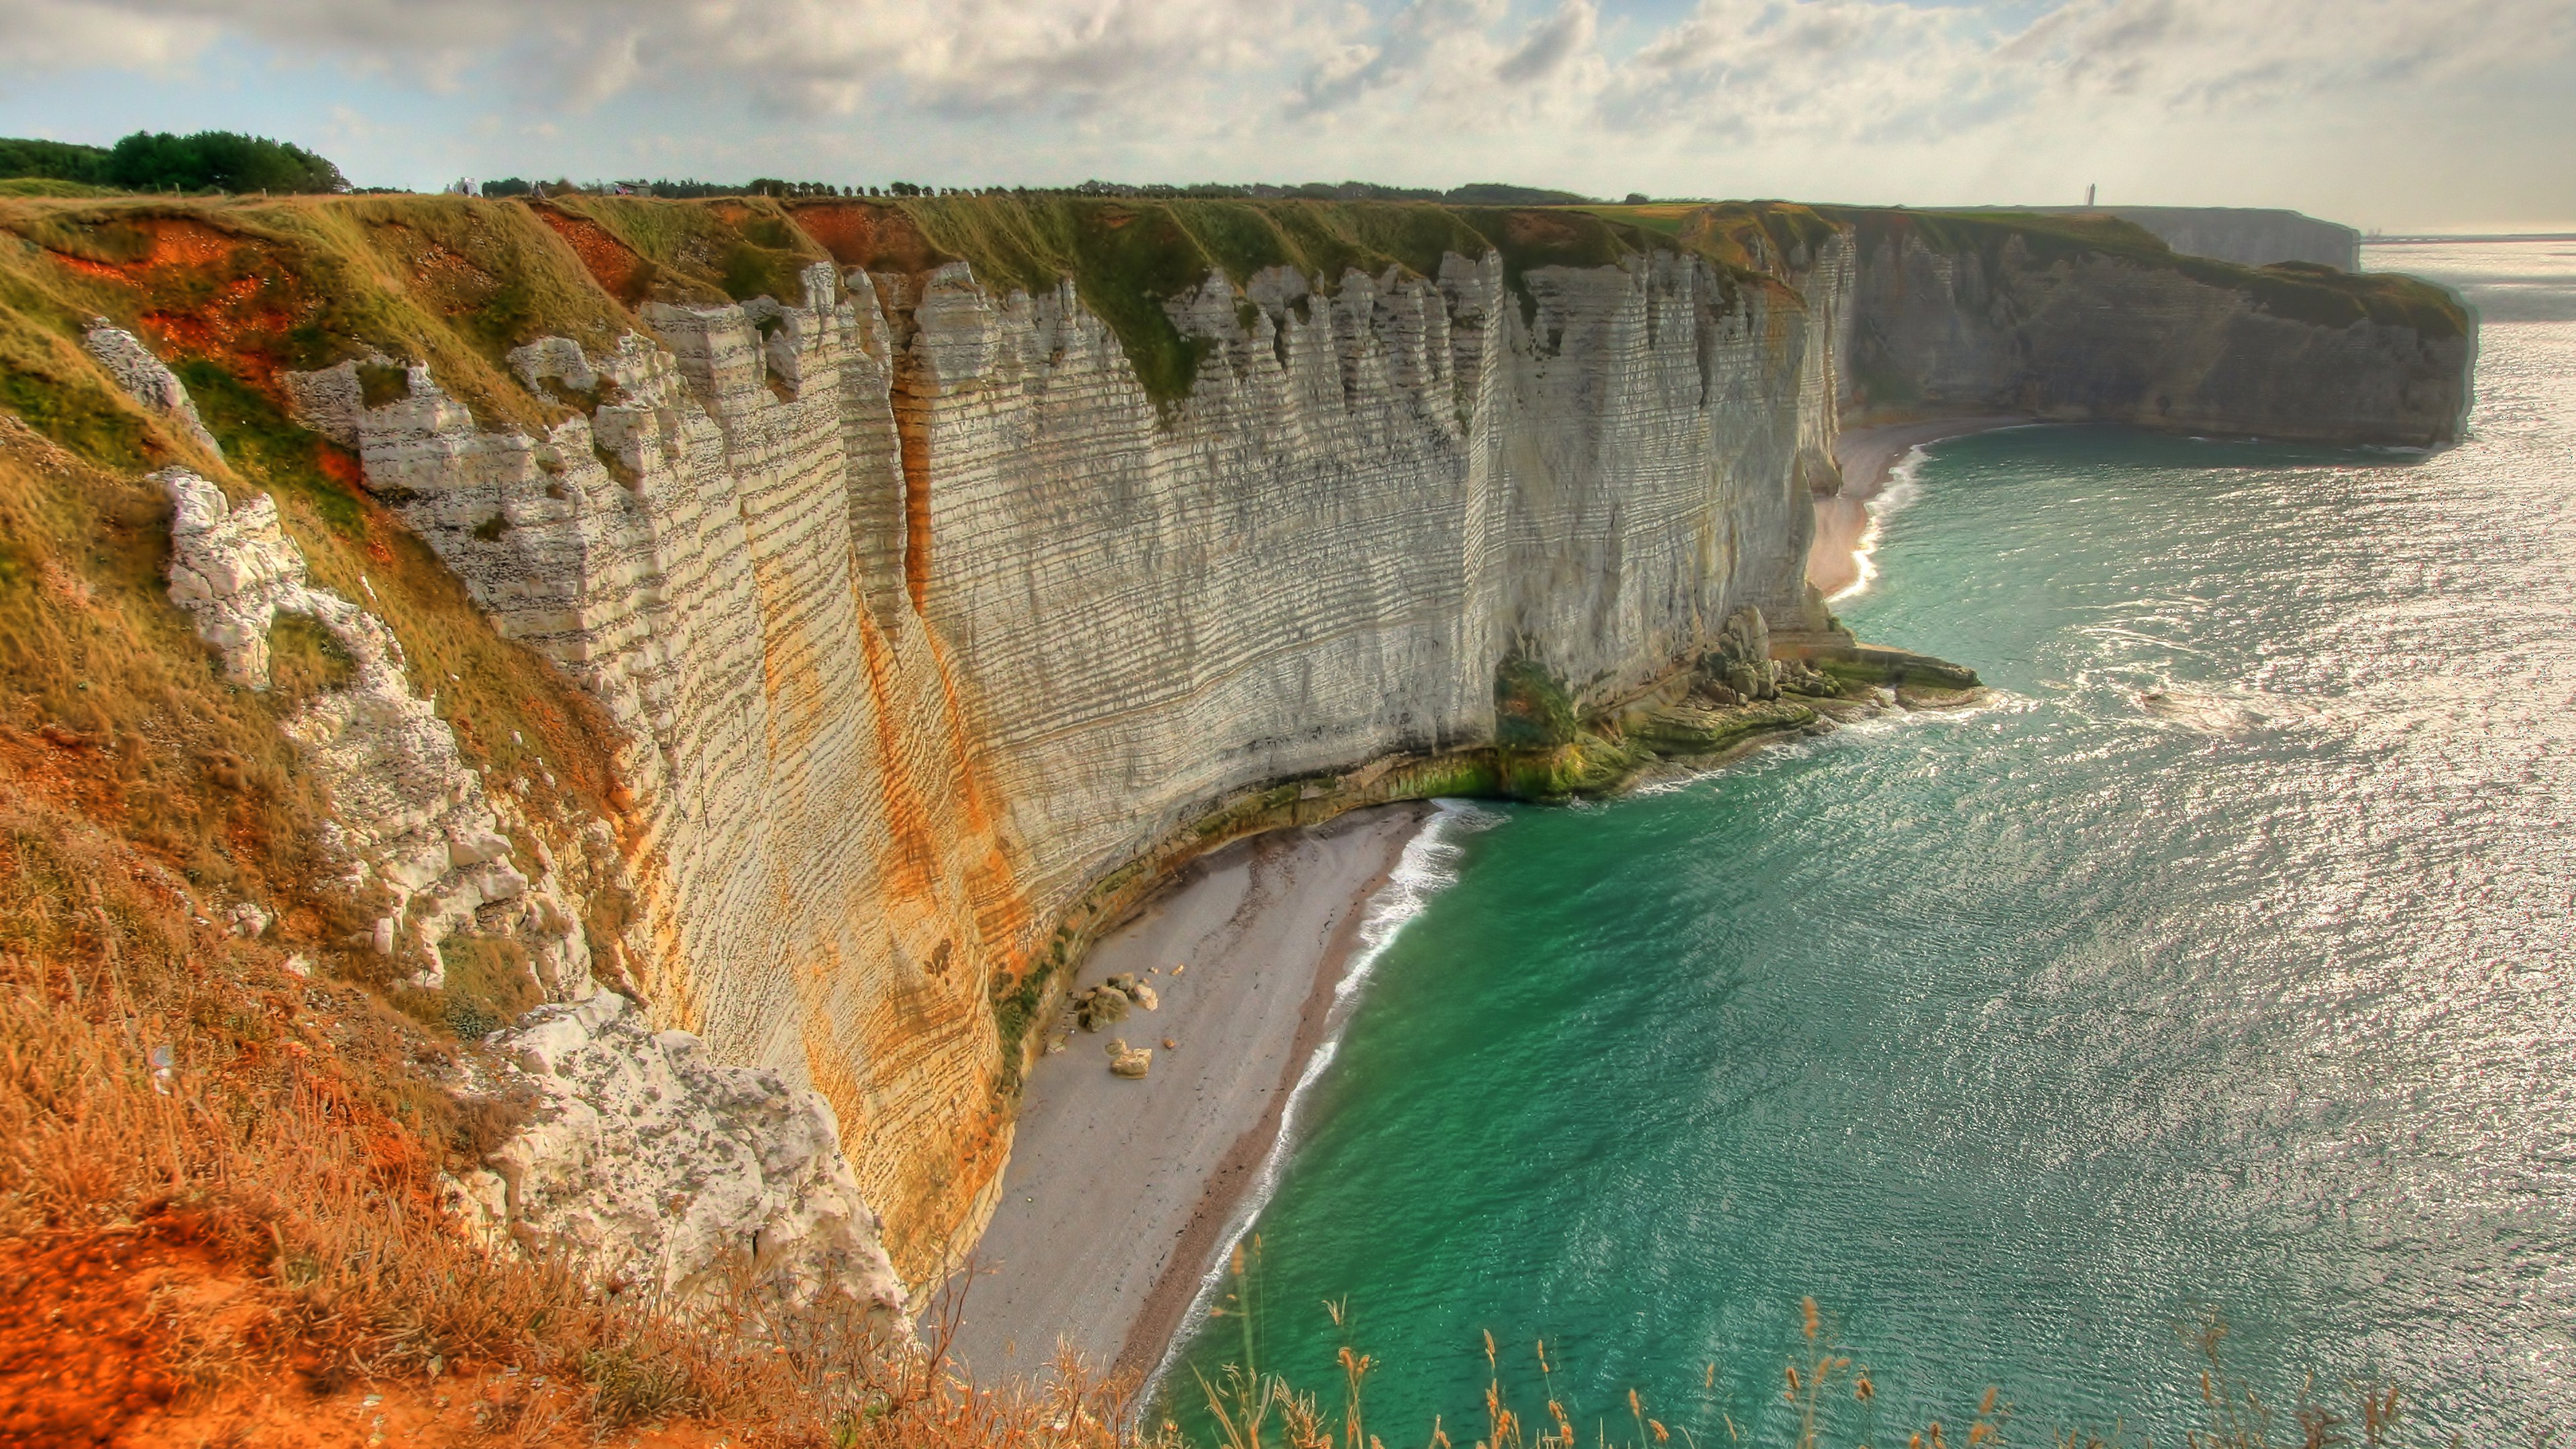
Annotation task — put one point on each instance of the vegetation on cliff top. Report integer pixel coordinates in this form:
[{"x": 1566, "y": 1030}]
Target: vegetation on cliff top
[
  {"x": 457, "y": 282},
  {"x": 2300, "y": 291},
  {"x": 157, "y": 161},
  {"x": 264, "y": 286},
  {"x": 103, "y": 654}
]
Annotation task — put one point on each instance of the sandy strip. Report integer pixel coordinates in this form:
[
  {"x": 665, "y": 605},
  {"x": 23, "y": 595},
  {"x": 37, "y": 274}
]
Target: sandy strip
[
  {"x": 1865, "y": 455},
  {"x": 1118, "y": 1191}
]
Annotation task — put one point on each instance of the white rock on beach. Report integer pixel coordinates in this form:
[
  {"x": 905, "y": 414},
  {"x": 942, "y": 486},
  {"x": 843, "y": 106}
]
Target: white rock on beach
[{"x": 649, "y": 1165}]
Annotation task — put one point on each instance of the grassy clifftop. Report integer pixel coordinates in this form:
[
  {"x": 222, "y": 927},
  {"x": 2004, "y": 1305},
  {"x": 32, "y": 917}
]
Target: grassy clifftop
[
  {"x": 2301, "y": 291},
  {"x": 263, "y": 286},
  {"x": 259, "y": 286}
]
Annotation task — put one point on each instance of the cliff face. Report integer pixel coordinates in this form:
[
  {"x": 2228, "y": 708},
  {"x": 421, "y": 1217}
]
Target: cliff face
[
  {"x": 2250, "y": 236},
  {"x": 1986, "y": 324},
  {"x": 935, "y": 609},
  {"x": 926, "y": 618}
]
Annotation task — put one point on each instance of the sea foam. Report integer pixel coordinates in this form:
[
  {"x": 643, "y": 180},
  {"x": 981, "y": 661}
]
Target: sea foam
[{"x": 1427, "y": 867}]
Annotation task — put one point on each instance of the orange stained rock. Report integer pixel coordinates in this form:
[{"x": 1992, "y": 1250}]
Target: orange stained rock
[
  {"x": 912, "y": 433},
  {"x": 904, "y": 1043},
  {"x": 912, "y": 863},
  {"x": 866, "y": 234},
  {"x": 1003, "y": 915},
  {"x": 613, "y": 264}
]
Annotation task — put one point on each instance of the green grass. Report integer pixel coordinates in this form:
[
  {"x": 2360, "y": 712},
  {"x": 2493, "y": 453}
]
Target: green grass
[
  {"x": 704, "y": 252},
  {"x": 458, "y": 282},
  {"x": 380, "y": 385},
  {"x": 489, "y": 985},
  {"x": 82, "y": 417},
  {"x": 305, "y": 660},
  {"x": 299, "y": 284},
  {"x": 47, "y": 186}
]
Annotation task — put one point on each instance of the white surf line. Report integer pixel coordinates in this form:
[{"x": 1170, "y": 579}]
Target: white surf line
[
  {"x": 1421, "y": 872},
  {"x": 1902, "y": 489}
]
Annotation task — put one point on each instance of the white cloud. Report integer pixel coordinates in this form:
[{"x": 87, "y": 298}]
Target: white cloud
[
  {"x": 794, "y": 55},
  {"x": 1550, "y": 45},
  {"x": 1877, "y": 93},
  {"x": 1754, "y": 66},
  {"x": 65, "y": 34}
]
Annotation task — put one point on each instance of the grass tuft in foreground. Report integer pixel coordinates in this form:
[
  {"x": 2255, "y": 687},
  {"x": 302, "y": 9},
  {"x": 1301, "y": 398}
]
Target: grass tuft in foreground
[{"x": 1830, "y": 1399}]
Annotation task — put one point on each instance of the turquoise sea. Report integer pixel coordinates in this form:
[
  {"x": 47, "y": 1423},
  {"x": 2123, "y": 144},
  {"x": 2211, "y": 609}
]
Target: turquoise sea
[{"x": 2225, "y": 964}]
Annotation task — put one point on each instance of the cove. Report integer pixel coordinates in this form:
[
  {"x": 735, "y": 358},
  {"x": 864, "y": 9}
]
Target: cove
[{"x": 2219, "y": 966}]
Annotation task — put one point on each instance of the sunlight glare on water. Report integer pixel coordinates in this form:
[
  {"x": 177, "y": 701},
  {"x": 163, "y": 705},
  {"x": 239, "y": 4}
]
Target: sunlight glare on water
[{"x": 2222, "y": 964}]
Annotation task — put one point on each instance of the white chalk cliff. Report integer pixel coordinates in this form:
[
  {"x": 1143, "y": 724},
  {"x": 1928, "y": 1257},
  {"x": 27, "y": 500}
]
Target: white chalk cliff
[
  {"x": 922, "y": 618},
  {"x": 658, "y": 1170},
  {"x": 936, "y": 616}
]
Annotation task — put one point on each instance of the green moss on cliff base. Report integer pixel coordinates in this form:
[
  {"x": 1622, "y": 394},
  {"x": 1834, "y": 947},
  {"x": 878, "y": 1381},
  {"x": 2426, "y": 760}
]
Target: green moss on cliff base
[{"x": 1532, "y": 708}]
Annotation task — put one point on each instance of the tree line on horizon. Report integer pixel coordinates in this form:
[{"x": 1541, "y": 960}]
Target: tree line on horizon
[
  {"x": 1480, "y": 193},
  {"x": 225, "y": 161},
  {"x": 233, "y": 163}
]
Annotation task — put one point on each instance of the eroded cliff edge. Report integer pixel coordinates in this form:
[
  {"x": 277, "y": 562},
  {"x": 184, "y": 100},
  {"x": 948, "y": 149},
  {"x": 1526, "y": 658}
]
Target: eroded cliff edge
[{"x": 947, "y": 571}]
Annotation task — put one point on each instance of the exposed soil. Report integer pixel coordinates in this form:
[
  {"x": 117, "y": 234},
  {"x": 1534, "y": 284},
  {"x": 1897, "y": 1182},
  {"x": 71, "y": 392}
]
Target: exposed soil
[
  {"x": 144, "y": 1335},
  {"x": 94, "y": 1338},
  {"x": 616, "y": 267},
  {"x": 860, "y": 235},
  {"x": 241, "y": 302}
]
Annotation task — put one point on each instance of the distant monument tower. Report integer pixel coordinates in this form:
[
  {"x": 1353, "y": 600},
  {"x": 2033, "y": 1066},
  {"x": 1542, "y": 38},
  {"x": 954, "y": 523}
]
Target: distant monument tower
[{"x": 2089, "y": 189}]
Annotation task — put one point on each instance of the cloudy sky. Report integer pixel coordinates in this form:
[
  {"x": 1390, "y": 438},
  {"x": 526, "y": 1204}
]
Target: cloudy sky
[{"x": 2395, "y": 113}]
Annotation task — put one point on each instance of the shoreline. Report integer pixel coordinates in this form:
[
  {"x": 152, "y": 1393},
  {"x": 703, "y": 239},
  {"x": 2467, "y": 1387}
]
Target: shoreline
[
  {"x": 1119, "y": 1193},
  {"x": 1054, "y": 1267},
  {"x": 1156, "y": 1328},
  {"x": 1866, "y": 456}
]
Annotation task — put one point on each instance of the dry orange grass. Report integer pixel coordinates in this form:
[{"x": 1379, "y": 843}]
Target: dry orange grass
[
  {"x": 1830, "y": 1400},
  {"x": 218, "y": 1188},
  {"x": 219, "y": 1179}
]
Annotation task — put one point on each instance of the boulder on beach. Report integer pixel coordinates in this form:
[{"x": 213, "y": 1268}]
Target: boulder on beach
[
  {"x": 1127, "y": 1061},
  {"x": 1101, "y": 1006}
]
